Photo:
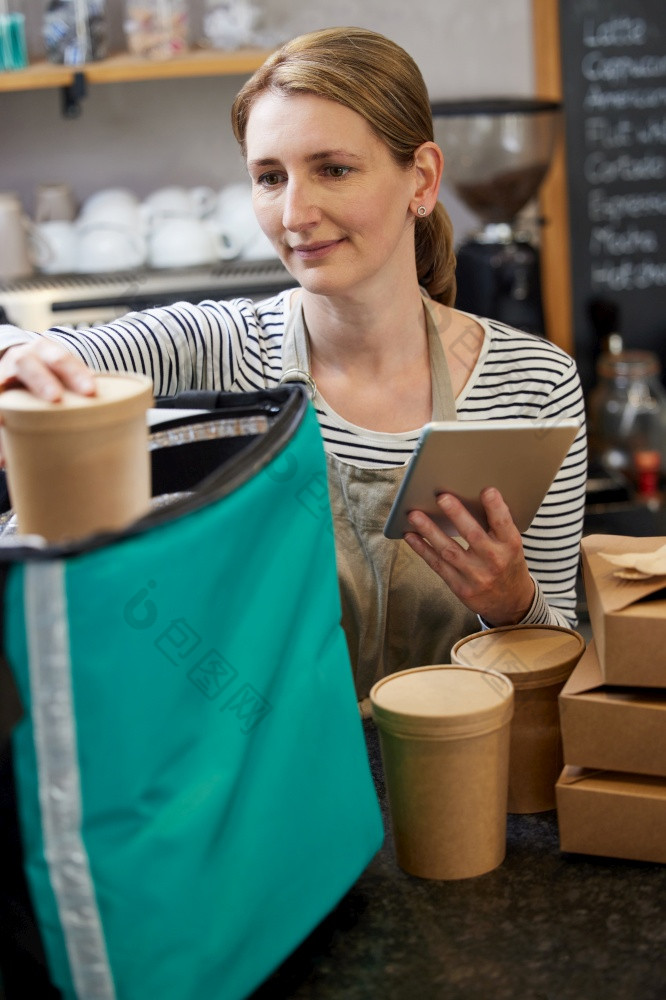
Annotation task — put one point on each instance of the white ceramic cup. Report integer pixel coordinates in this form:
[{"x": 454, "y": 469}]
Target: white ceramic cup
[
  {"x": 259, "y": 248},
  {"x": 178, "y": 202},
  {"x": 115, "y": 206},
  {"x": 235, "y": 215},
  {"x": 107, "y": 247},
  {"x": 55, "y": 246},
  {"x": 15, "y": 250},
  {"x": 187, "y": 242},
  {"x": 54, "y": 202}
]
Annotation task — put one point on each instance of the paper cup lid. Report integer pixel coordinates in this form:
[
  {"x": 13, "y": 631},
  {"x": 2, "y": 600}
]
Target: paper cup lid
[
  {"x": 531, "y": 655},
  {"x": 120, "y": 396},
  {"x": 442, "y": 701}
]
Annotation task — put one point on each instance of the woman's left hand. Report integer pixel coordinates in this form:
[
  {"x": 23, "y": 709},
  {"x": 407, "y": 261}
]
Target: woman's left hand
[{"x": 491, "y": 576}]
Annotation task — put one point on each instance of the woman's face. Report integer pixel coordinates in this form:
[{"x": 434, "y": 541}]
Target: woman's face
[{"x": 329, "y": 195}]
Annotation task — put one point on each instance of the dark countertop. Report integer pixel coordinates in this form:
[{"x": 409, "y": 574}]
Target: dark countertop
[{"x": 543, "y": 926}]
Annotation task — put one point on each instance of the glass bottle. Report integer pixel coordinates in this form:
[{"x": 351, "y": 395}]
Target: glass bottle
[
  {"x": 156, "y": 29},
  {"x": 230, "y": 24},
  {"x": 75, "y": 31},
  {"x": 627, "y": 420},
  {"x": 13, "y": 49}
]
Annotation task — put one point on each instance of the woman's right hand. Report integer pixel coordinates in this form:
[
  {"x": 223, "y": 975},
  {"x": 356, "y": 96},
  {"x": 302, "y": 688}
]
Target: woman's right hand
[{"x": 45, "y": 369}]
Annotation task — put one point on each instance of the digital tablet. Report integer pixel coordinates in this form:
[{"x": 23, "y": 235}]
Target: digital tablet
[{"x": 519, "y": 457}]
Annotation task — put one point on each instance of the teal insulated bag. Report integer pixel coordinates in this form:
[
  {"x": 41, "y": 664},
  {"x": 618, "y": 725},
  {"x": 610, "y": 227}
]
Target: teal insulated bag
[{"x": 190, "y": 774}]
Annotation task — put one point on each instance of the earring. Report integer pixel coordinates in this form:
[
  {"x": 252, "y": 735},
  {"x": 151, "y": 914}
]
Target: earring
[{"x": 422, "y": 211}]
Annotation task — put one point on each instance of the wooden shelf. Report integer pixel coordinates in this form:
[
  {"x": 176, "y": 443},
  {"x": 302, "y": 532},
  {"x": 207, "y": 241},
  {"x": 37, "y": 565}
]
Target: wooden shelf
[
  {"x": 124, "y": 67},
  {"x": 39, "y": 76}
]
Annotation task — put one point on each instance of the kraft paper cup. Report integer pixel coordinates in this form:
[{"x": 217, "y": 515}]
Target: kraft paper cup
[
  {"x": 444, "y": 737},
  {"x": 538, "y": 659},
  {"x": 81, "y": 465}
]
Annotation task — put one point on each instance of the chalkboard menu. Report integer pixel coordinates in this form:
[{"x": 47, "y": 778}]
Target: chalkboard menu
[{"x": 614, "y": 90}]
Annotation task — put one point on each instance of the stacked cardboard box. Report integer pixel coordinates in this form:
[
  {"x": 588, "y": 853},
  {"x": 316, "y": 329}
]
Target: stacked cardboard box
[{"x": 611, "y": 795}]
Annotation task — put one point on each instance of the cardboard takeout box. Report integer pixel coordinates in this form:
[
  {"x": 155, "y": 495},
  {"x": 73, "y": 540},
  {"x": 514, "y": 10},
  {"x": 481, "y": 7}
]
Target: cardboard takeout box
[
  {"x": 611, "y": 814},
  {"x": 615, "y": 728},
  {"x": 628, "y": 617}
]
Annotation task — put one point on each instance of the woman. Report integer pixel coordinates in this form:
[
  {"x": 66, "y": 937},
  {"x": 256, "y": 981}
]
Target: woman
[{"x": 337, "y": 134}]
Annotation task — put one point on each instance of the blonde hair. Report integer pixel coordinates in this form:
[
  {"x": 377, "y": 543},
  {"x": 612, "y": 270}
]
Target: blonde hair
[{"x": 376, "y": 78}]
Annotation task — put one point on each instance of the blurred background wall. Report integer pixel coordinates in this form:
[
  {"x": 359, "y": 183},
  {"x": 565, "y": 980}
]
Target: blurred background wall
[{"x": 147, "y": 134}]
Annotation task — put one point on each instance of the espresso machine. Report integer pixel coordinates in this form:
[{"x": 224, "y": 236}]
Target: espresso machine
[{"x": 497, "y": 152}]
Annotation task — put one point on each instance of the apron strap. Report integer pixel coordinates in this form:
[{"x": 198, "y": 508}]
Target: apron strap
[
  {"x": 443, "y": 399},
  {"x": 296, "y": 361},
  {"x": 295, "y": 352}
]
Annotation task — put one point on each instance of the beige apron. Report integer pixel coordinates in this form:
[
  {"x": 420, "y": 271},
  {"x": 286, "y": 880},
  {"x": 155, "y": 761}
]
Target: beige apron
[{"x": 396, "y": 612}]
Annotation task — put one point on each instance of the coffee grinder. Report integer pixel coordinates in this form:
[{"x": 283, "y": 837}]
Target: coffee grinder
[{"x": 497, "y": 152}]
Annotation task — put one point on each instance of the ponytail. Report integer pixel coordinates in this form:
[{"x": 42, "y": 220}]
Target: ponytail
[{"x": 435, "y": 258}]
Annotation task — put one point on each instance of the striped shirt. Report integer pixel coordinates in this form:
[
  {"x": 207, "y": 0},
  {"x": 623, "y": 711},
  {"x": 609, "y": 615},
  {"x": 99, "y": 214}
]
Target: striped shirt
[{"x": 236, "y": 346}]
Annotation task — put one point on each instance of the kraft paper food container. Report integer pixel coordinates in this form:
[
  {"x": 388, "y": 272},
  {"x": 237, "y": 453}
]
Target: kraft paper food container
[
  {"x": 81, "y": 465},
  {"x": 538, "y": 659},
  {"x": 614, "y": 728},
  {"x": 628, "y": 617},
  {"x": 612, "y": 814},
  {"x": 444, "y": 737}
]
